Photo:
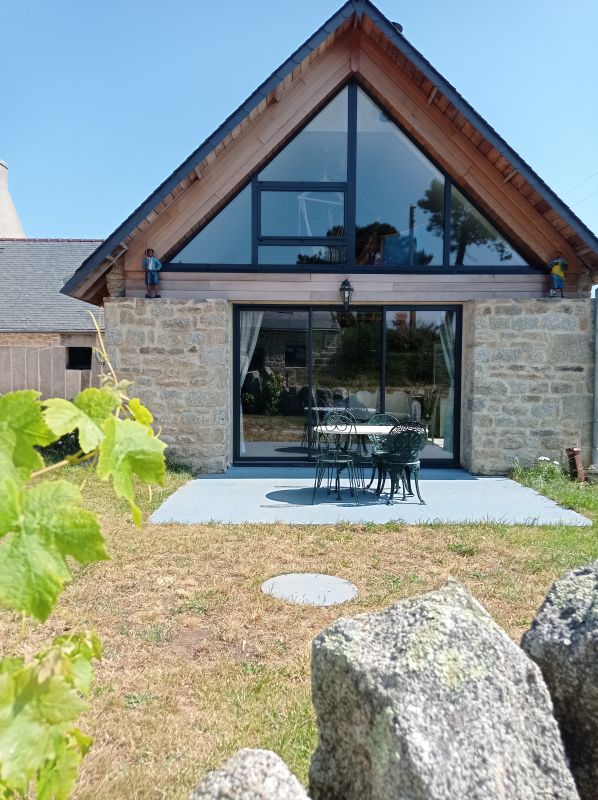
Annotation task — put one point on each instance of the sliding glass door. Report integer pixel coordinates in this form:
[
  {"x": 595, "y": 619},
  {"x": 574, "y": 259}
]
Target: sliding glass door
[{"x": 292, "y": 365}]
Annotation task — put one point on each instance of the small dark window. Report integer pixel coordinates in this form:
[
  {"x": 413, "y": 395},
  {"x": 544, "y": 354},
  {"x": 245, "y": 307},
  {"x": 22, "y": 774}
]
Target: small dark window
[
  {"x": 79, "y": 358},
  {"x": 295, "y": 356}
]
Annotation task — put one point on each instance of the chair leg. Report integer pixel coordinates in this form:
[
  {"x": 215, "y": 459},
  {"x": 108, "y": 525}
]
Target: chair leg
[
  {"x": 416, "y": 476},
  {"x": 407, "y": 477},
  {"x": 353, "y": 482},
  {"x": 394, "y": 476},
  {"x": 317, "y": 482}
]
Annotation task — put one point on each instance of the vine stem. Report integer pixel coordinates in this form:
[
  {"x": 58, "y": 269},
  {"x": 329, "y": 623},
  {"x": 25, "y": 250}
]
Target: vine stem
[{"x": 77, "y": 459}]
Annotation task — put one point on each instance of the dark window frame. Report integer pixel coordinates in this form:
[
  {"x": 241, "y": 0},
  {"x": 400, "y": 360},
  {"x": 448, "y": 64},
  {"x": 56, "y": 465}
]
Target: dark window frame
[
  {"x": 239, "y": 459},
  {"x": 349, "y": 188}
]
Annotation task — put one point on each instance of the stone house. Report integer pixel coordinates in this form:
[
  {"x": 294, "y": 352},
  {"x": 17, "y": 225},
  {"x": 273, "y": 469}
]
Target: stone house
[
  {"x": 356, "y": 235},
  {"x": 46, "y": 338}
]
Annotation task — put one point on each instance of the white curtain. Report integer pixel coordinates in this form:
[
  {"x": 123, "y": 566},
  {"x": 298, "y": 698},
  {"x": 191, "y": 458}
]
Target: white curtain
[
  {"x": 447, "y": 338},
  {"x": 251, "y": 322}
]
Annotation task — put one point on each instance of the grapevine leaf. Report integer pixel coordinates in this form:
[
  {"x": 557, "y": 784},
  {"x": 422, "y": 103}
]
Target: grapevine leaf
[
  {"x": 97, "y": 404},
  {"x": 64, "y": 417},
  {"x": 140, "y": 412},
  {"x": 25, "y": 743},
  {"x": 8, "y": 468},
  {"x": 37, "y": 741},
  {"x": 51, "y": 526},
  {"x": 20, "y": 413},
  {"x": 57, "y": 777},
  {"x": 129, "y": 448},
  {"x": 31, "y": 575},
  {"x": 58, "y": 702},
  {"x": 82, "y": 674},
  {"x": 9, "y": 505}
]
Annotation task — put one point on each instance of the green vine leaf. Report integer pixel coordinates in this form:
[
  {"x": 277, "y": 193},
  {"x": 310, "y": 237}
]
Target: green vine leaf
[
  {"x": 22, "y": 428},
  {"x": 130, "y": 448},
  {"x": 37, "y": 708},
  {"x": 98, "y": 404},
  {"x": 63, "y": 417},
  {"x": 140, "y": 412},
  {"x": 45, "y": 524}
]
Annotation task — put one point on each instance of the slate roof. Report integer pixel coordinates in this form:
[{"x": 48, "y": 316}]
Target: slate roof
[{"x": 32, "y": 273}]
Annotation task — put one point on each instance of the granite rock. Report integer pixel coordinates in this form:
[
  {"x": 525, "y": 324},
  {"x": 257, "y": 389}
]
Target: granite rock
[
  {"x": 251, "y": 775},
  {"x": 563, "y": 641},
  {"x": 431, "y": 700}
]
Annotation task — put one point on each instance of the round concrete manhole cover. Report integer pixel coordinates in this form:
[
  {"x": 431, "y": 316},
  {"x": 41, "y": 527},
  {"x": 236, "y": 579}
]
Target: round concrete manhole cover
[{"x": 309, "y": 589}]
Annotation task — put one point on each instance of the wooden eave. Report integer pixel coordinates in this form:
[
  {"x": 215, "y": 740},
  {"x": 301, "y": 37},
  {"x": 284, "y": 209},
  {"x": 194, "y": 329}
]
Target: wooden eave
[{"x": 420, "y": 99}]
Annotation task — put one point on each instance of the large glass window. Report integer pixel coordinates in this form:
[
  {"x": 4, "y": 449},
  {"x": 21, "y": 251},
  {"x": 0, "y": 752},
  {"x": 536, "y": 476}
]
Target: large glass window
[
  {"x": 226, "y": 239},
  {"x": 372, "y": 199},
  {"x": 319, "y": 152},
  {"x": 474, "y": 241},
  {"x": 297, "y": 364},
  {"x": 302, "y": 214},
  {"x": 420, "y": 373},
  {"x": 399, "y": 204}
]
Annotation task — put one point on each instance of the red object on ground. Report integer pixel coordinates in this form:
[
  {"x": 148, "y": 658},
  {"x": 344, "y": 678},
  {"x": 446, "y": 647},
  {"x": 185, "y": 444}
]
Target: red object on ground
[{"x": 576, "y": 469}]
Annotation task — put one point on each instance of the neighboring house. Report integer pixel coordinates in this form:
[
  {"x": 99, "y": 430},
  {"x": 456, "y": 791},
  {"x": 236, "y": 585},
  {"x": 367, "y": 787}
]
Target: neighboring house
[
  {"x": 355, "y": 160},
  {"x": 46, "y": 339}
]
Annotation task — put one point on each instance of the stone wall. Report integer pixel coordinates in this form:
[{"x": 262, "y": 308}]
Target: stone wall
[
  {"x": 179, "y": 355},
  {"x": 528, "y": 369},
  {"x": 39, "y": 361}
]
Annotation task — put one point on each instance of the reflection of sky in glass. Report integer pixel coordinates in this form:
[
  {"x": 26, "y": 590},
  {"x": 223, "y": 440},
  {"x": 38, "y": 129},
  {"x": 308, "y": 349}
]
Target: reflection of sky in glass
[
  {"x": 318, "y": 152},
  {"x": 302, "y": 213},
  {"x": 392, "y": 176},
  {"x": 226, "y": 239},
  {"x": 474, "y": 241}
]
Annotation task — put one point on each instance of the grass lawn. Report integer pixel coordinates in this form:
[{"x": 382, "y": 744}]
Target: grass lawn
[{"x": 199, "y": 663}]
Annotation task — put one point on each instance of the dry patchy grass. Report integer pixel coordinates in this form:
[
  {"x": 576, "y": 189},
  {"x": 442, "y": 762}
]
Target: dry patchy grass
[{"x": 199, "y": 663}]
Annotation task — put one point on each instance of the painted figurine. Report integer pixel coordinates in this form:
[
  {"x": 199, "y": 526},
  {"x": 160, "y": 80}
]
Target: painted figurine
[
  {"x": 557, "y": 267},
  {"x": 151, "y": 267}
]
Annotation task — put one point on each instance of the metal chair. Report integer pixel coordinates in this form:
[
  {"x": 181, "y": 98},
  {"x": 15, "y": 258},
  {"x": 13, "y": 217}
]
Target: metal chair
[
  {"x": 362, "y": 458},
  {"x": 335, "y": 454},
  {"x": 400, "y": 459}
]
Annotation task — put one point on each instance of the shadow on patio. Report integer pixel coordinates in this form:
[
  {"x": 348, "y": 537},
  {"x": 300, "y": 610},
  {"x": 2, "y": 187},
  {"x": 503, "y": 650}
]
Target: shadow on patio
[{"x": 274, "y": 494}]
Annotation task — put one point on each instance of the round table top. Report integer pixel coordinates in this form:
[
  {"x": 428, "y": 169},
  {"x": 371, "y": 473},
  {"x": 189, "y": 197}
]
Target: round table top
[{"x": 360, "y": 430}]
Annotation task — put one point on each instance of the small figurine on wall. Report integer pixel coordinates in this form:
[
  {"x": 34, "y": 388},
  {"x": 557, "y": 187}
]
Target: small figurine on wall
[
  {"x": 557, "y": 267},
  {"x": 151, "y": 267}
]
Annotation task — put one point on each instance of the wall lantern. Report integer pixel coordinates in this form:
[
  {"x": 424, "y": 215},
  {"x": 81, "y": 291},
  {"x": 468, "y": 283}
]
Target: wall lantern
[{"x": 346, "y": 291}]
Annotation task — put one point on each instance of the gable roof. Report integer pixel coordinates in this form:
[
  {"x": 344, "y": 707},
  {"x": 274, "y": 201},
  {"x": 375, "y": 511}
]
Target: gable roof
[
  {"x": 440, "y": 92},
  {"x": 33, "y": 272}
]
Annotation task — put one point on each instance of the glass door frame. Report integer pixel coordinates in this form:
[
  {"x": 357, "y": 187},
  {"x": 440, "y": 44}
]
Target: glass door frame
[{"x": 240, "y": 460}]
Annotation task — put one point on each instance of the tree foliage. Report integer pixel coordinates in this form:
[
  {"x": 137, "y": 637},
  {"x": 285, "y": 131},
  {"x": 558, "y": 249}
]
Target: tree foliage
[{"x": 43, "y": 525}]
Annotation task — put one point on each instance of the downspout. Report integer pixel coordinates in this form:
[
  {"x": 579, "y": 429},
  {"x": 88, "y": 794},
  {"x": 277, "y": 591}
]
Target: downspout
[{"x": 595, "y": 415}]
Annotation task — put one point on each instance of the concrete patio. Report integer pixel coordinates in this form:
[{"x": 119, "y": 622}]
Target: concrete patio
[{"x": 274, "y": 494}]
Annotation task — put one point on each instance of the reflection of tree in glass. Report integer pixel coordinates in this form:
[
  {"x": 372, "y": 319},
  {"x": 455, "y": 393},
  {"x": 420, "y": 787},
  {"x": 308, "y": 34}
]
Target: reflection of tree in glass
[
  {"x": 410, "y": 347},
  {"x": 368, "y": 240},
  {"x": 381, "y": 243},
  {"x": 467, "y": 228},
  {"x": 328, "y": 254}
]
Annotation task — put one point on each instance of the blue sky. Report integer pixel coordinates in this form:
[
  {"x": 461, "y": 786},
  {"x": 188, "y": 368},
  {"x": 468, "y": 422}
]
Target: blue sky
[{"x": 102, "y": 101}]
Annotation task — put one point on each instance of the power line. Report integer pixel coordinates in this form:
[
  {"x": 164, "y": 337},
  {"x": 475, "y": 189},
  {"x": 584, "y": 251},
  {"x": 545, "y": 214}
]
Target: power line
[
  {"x": 586, "y": 197},
  {"x": 585, "y": 180}
]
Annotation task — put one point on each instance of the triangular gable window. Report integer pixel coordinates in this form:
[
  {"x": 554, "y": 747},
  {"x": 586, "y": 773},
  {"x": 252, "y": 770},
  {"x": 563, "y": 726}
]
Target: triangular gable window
[
  {"x": 226, "y": 239},
  {"x": 371, "y": 200},
  {"x": 474, "y": 240}
]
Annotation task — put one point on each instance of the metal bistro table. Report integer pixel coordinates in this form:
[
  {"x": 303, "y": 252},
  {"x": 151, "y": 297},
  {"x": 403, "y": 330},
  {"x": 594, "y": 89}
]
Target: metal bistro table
[{"x": 361, "y": 431}]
